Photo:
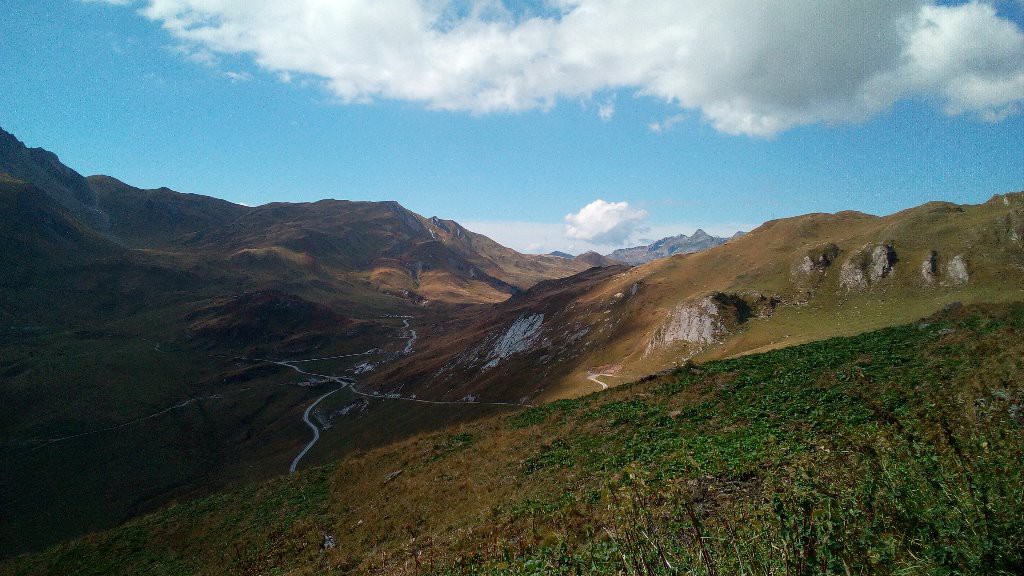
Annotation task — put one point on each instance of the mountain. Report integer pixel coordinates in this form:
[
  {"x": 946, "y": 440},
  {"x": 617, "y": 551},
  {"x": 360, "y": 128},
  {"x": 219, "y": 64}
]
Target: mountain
[
  {"x": 681, "y": 244},
  {"x": 560, "y": 254},
  {"x": 43, "y": 169},
  {"x": 896, "y": 451},
  {"x": 142, "y": 338},
  {"x": 378, "y": 243},
  {"x": 790, "y": 281},
  {"x": 191, "y": 345}
]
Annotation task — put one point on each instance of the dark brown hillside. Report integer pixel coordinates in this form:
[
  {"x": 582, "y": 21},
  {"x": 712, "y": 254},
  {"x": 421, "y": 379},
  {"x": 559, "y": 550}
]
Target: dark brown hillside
[
  {"x": 43, "y": 169},
  {"x": 129, "y": 340},
  {"x": 161, "y": 218}
]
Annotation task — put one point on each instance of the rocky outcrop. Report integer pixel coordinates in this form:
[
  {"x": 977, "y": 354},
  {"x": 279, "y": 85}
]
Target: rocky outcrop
[
  {"x": 711, "y": 319},
  {"x": 867, "y": 267},
  {"x": 819, "y": 258},
  {"x": 956, "y": 271},
  {"x": 693, "y": 323},
  {"x": 930, "y": 268},
  {"x": 519, "y": 337}
]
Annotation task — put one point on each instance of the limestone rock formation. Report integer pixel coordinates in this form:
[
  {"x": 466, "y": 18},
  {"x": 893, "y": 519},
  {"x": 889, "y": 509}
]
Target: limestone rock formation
[
  {"x": 956, "y": 270},
  {"x": 868, "y": 266}
]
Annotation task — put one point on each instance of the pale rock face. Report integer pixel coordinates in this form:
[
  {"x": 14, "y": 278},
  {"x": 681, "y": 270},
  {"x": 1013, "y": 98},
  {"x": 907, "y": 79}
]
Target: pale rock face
[
  {"x": 693, "y": 323},
  {"x": 852, "y": 277},
  {"x": 856, "y": 274},
  {"x": 882, "y": 260},
  {"x": 520, "y": 336},
  {"x": 956, "y": 270},
  {"x": 806, "y": 265},
  {"x": 929, "y": 267}
]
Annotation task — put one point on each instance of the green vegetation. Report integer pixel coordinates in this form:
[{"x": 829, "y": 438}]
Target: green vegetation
[{"x": 893, "y": 452}]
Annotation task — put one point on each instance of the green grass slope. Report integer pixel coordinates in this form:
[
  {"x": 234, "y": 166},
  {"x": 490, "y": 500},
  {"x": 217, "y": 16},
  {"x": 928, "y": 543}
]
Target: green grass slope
[{"x": 892, "y": 452}]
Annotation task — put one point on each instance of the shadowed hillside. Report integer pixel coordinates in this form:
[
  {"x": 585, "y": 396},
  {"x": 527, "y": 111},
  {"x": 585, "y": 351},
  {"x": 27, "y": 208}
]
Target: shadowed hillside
[
  {"x": 892, "y": 452},
  {"x": 129, "y": 339}
]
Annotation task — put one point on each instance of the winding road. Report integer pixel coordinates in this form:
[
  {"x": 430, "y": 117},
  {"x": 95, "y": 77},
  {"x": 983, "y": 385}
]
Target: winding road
[
  {"x": 313, "y": 427},
  {"x": 411, "y": 339},
  {"x": 343, "y": 382}
]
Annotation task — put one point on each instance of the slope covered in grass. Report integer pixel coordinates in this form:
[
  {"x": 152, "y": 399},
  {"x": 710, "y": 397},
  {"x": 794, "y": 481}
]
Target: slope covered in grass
[{"x": 893, "y": 452}]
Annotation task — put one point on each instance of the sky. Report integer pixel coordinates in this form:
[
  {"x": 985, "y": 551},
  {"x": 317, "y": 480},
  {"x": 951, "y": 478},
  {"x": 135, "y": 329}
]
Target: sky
[{"x": 546, "y": 124}]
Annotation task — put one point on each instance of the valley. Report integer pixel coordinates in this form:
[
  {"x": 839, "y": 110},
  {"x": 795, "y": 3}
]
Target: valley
[
  {"x": 855, "y": 453},
  {"x": 167, "y": 357}
]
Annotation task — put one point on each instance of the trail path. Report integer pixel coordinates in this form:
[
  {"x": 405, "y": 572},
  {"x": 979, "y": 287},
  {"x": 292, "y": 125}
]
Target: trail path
[
  {"x": 44, "y": 442},
  {"x": 595, "y": 379}
]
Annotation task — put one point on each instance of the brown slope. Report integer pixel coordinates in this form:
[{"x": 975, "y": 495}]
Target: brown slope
[
  {"x": 161, "y": 218},
  {"x": 43, "y": 169},
  {"x": 519, "y": 270},
  {"x": 376, "y": 245},
  {"x": 452, "y": 358},
  {"x": 790, "y": 281}
]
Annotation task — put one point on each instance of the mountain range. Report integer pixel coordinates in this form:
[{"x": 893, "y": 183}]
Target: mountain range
[
  {"x": 681, "y": 244},
  {"x": 192, "y": 346},
  {"x": 117, "y": 303}
]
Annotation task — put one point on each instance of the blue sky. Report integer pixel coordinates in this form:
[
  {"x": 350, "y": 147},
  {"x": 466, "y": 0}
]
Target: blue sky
[{"x": 510, "y": 146}]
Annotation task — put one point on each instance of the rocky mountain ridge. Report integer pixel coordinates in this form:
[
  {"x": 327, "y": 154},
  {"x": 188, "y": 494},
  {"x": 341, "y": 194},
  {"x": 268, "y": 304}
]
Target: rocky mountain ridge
[{"x": 681, "y": 244}]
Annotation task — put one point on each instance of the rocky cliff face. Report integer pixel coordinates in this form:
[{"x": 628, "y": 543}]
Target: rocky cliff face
[{"x": 708, "y": 320}]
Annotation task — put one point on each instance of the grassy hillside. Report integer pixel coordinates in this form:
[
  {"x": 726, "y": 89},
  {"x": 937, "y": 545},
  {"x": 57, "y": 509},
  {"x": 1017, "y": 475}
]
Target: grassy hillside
[
  {"x": 789, "y": 281},
  {"x": 893, "y": 452}
]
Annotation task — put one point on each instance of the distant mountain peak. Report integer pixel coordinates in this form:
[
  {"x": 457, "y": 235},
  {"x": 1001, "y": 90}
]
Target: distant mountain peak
[{"x": 681, "y": 244}]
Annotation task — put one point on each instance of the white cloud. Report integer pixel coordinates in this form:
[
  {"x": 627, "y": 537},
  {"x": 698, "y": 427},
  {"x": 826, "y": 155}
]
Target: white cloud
[
  {"x": 606, "y": 111},
  {"x": 544, "y": 237},
  {"x": 195, "y": 54},
  {"x": 605, "y": 223},
  {"x": 666, "y": 124},
  {"x": 748, "y": 66},
  {"x": 236, "y": 77},
  {"x": 970, "y": 57}
]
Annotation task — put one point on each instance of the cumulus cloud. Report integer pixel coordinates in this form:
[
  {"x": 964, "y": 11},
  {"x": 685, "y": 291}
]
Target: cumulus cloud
[
  {"x": 605, "y": 223},
  {"x": 748, "y": 66}
]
